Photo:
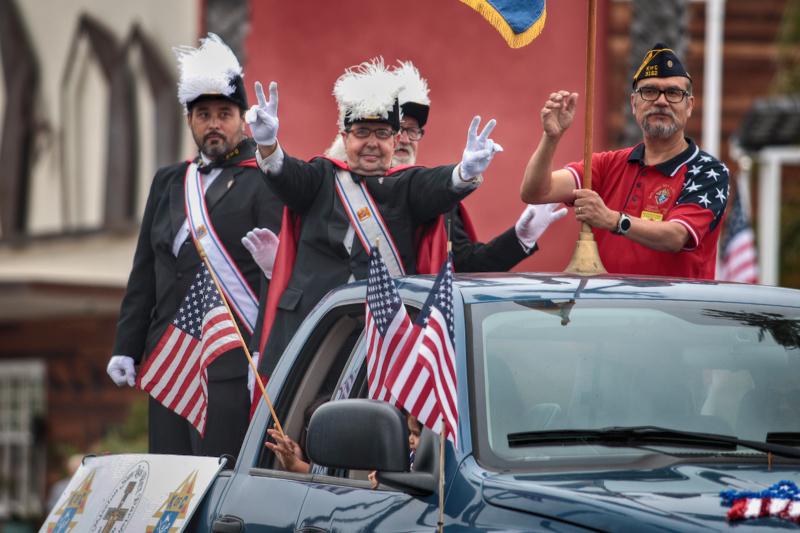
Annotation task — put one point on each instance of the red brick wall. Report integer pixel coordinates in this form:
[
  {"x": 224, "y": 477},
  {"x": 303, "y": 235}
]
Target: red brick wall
[
  {"x": 306, "y": 45},
  {"x": 82, "y": 401}
]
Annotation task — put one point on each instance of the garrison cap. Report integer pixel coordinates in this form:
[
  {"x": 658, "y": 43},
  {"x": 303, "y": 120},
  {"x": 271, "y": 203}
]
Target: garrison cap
[{"x": 660, "y": 62}]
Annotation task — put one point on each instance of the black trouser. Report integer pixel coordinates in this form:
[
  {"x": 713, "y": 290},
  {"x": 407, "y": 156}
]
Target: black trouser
[{"x": 226, "y": 423}]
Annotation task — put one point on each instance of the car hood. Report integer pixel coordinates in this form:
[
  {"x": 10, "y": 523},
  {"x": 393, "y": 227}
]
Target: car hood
[{"x": 675, "y": 498}]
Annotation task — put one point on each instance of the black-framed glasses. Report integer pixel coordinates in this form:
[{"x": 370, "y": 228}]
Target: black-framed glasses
[
  {"x": 364, "y": 133},
  {"x": 651, "y": 94},
  {"x": 414, "y": 134}
]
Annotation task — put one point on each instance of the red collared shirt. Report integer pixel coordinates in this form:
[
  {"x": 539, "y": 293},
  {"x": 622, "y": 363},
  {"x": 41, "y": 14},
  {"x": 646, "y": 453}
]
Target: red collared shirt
[{"x": 690, "y": 189}]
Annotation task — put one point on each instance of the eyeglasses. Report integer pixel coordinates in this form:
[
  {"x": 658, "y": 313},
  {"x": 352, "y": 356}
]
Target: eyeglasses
[
  {"x": 414, "y": 134},
  {"x": 651, "y": 94},
  {"x": 364, "y": 133}
]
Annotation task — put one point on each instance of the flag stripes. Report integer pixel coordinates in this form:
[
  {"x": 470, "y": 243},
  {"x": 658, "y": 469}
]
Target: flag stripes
[
  {"x": 389, "y": 332},
  {"x": 175, "y": 373},
  {"x": 738, "y": 261},
  {"x": 423, "y": 382}
]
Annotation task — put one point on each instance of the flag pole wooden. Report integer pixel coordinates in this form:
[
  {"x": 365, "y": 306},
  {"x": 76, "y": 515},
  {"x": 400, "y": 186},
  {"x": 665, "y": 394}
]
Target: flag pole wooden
[
  {"x": 442, "y": 438},
  {"x": 586, "y": 257},
  {"x": 253, "y": 367}
]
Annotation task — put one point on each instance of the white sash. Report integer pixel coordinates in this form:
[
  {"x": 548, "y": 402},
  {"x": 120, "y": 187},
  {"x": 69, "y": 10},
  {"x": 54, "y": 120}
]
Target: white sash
[
  {"x": 366, "y": 220},
  {"x": 240, "y": 296}
]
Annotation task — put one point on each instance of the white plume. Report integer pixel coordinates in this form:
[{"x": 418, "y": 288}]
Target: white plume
[
  {"x": 206, "y": 70},
  {"x": 336, "y": 150},
  {"x": 365, "y": 90},
  {"x": 415, "y": 87}
]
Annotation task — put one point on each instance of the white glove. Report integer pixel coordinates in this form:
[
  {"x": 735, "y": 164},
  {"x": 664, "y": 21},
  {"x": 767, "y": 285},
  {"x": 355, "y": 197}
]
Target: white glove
[
  {"x": 262, "y": 245},
  {"x": 251, "y": 377},
  {"x": 479, "y": 150},
  {"x": 263, "y": 118},
  {"x": 535, "y": 220},
  {"x": 121, "y": 370}
]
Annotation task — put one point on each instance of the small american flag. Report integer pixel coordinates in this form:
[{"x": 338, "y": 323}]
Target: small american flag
[
  {"x": 738, "y": 249},
  {"x": 424, "y": 382},
  {"x": 780, "y": 500},
  {"x": 175, "y": 372},
  {"x": 387, "y": 325}
]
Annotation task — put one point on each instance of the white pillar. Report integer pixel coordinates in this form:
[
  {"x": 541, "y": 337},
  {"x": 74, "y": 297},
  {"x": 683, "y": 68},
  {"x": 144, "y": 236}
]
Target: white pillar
[
  {"x": 712, "y": 76},
  {"x": 769, "y": 209}
]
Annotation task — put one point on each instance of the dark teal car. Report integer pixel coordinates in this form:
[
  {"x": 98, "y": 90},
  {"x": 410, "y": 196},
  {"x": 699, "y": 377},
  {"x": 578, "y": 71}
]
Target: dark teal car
[{"x": 586, "y": 404}]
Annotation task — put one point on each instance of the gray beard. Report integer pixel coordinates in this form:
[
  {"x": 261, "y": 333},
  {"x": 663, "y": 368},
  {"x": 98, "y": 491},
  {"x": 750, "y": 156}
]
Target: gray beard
[
  {"x": 658, "y": 131},
  {"x": 405, "y": 160}
]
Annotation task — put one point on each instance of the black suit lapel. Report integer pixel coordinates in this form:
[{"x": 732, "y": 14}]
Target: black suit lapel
[
  {"x": 224, "y": 182},
  {"x": 177, "y": 209}
]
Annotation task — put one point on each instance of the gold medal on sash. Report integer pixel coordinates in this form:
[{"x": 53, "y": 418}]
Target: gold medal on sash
[{"x": 363, "y": 214}]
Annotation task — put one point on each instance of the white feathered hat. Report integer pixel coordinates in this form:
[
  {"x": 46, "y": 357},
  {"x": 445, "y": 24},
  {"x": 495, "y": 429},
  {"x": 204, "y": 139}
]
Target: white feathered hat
[
  {"x": 414, "y": 99},
  {"x": 210, "y": 71},
  {"x": 368, "y": 93}
]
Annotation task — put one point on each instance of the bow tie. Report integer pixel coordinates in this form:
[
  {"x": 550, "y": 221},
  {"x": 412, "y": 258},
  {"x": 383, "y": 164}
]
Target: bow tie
[{"x": 205, "y": 169}]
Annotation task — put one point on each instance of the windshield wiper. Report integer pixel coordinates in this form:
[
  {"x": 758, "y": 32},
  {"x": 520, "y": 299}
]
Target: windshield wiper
[{"x": 638, "y": 435}]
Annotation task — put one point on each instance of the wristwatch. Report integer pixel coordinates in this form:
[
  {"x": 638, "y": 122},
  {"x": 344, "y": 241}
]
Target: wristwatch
[{"x": 623, "y": 224}]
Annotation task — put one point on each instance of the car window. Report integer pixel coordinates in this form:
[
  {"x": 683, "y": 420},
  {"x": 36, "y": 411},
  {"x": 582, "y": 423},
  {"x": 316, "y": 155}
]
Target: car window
[
  {"x": 691, "y": 366},
  {"x": 315, "y": 373}
]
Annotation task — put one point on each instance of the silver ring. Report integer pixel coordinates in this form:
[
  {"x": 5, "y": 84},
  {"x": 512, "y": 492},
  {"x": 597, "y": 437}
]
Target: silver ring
[{"x": 579, "y": 210}]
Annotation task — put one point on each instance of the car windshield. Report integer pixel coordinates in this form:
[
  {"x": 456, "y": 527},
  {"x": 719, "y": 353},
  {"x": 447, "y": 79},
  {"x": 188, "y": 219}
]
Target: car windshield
[{"x": 691, "y": 366}]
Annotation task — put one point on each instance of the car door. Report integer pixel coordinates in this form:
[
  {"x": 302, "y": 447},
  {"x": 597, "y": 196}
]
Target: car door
[
  {"x": 346, "y": 501},
  {"x": 259, "y": 495}
]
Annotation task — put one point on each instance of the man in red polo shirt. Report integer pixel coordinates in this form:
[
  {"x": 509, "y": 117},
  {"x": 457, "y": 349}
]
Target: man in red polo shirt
[{"x": 656, "y": 207}]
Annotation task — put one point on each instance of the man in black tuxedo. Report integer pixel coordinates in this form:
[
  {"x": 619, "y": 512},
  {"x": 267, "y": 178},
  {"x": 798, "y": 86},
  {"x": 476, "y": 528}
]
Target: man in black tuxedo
[
  {"x": 166, "y": 260},
  {"x": 332, "y": 247},
  {"x": 469, "y": 255}
]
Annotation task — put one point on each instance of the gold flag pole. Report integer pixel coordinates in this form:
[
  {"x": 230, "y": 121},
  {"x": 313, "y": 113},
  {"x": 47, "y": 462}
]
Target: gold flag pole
[
  {"x": 586, "y": 257},
  {"x": 260, "y": 383}
]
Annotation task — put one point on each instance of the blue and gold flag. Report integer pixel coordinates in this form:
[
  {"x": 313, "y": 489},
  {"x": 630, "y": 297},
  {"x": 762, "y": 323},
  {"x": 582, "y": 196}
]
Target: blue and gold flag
[{"x": 518, "y": 21}]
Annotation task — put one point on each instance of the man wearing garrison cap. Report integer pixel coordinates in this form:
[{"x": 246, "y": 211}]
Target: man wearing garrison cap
[
  {"x": 342, "y": 208},
  {"x": 656, "y": 207},
  {"x": 235, "y": 207}
]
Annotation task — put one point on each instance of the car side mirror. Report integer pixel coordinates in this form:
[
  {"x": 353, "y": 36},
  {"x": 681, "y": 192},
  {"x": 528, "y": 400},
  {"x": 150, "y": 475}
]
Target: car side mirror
[
  {"x": 422, "y": 479},
  {"x": 358, "y": 434}
]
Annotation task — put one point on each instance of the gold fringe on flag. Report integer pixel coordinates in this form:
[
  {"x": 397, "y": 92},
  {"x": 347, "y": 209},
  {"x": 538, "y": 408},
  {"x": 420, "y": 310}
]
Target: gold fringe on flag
[{"x": 493, "y": 17}]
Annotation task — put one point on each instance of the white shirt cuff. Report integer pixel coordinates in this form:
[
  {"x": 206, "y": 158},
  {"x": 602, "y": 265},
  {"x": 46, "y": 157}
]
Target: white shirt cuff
[
  {"x": 273, "y": 163},
  {"x": 525, "y": 248},
  {"x": 462, "y": 184}
]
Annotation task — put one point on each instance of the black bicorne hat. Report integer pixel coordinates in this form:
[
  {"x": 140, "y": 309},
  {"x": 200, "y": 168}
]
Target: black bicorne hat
[
  {"x": 392, "y": 117},
  {"x": 417, "y": 111},
  {"x": 237, "y": 97},
  {"x": 208, "y": 72},
  {"x": 368, "y": 93}
]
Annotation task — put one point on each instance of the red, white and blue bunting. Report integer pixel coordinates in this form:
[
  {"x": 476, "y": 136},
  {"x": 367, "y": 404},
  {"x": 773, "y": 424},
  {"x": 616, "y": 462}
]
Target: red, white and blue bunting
[{"x": 781, "y": 500}]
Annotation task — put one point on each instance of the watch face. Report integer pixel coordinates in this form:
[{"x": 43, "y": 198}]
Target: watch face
[{"x": 625, "y": 224}]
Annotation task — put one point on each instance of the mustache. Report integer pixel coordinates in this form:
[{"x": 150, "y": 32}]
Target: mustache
[
  {"x": 213, "y": 135},
  {"x": 661, "y": 111}
]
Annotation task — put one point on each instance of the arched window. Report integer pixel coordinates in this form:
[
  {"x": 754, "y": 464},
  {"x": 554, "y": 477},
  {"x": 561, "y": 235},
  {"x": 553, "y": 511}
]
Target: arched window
[{"x": 20, "y": 81}]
